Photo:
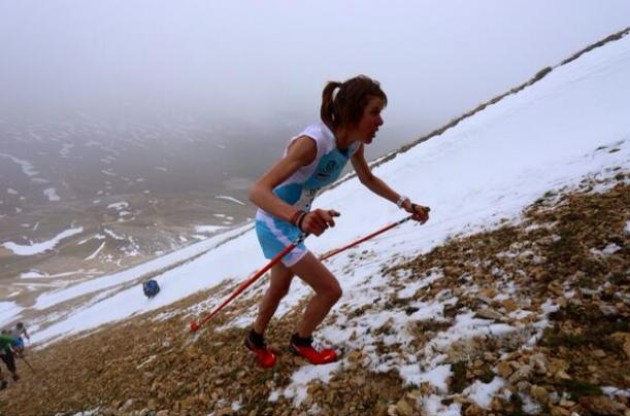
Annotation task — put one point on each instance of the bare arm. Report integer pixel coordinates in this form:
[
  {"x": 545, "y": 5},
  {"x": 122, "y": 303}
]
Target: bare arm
[
  {"x": 368, "y": 179},
  {"x": 300, "y": 153},
  {"x": 376, "y": 185}
]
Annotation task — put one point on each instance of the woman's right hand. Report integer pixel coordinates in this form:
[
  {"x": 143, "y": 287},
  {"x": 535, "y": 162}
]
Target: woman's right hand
[{"x": 317, "y": 221}]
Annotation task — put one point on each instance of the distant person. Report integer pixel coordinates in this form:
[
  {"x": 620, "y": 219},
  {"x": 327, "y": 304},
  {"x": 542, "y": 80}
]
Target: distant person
[
  {"x": 6, "y": 355},
  {"x": 350, "y": 117},
  {"x": 18, "y": 332}
]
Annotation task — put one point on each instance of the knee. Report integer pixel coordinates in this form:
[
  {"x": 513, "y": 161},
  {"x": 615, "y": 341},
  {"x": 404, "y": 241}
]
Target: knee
[
  {"x": 278, "y": 292},
  {"x": 334, "y": 293},
  {"x": 338, "y": 293},
  {"x": 282, "y": 292}
]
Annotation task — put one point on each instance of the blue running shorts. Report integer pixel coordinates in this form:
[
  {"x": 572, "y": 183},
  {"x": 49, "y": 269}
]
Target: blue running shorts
[{"x": 275, "y": 235}]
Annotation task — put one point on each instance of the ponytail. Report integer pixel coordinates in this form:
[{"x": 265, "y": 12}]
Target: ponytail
[
  {"x": 345, "y": 108},
  {"x": 327, "y": 112}
]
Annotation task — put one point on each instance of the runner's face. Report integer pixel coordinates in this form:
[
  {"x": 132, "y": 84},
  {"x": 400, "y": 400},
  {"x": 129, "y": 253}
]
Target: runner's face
[{"x": 371, "y": 120}]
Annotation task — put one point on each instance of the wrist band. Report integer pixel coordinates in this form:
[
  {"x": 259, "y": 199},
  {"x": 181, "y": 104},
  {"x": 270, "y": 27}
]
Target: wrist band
[
  {"x": 300, "y": 219},
  {"x": 295, "y": 217},
  {"x": 401, "y": 200}
]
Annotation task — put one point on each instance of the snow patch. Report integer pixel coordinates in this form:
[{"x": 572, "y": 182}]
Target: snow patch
[
  {"x": 229, "y": 198},
  {"x": 37, "y": 248},
  {"x": 208, "y": 228},
  {"x": 297, "y": 390},
  {"x": 51, "y": 194},
  {"x": 482, "y": 393}
]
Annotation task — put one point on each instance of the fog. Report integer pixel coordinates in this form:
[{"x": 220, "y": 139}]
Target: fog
[{"x": 267, "y": 61}]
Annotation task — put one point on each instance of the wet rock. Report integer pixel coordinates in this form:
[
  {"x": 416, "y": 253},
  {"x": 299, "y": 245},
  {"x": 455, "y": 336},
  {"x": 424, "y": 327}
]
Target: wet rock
[
  {"x": 509, "y": 305},
  {"x": 560, "y": 411},
  {"x": 521, "y": 373},
  {"x": 539, "y": 363},
  {"x": 505, "y": 369},
  {"x": 603, "y": 405},
  {"x": 404, "y": 408},
  {"x": 539, "y": 393},
  {"x": 622, "y": 338},
  {"x": 474, "y": 410},
  {"x": 489, "y": 313}
]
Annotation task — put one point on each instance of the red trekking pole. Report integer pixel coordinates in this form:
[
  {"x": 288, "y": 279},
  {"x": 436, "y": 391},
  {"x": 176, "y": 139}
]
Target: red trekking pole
[
  {"x": 367, "y": 237},
  {"x": 195, "y": 325}
]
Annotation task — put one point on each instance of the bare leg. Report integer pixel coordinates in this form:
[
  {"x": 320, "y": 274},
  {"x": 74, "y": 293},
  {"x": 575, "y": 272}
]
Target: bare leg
[
  {"x": 280, "y": 282},
  {"x": 327, "y": 292}
]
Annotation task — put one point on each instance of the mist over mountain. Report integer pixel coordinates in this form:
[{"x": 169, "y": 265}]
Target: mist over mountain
[{"x": 157, "y": 180}]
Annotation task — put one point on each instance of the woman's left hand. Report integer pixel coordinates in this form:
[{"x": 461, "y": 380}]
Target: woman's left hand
[{"x": 419, "y": 213}]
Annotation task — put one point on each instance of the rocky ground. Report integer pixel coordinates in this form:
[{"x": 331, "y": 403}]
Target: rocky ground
[{"x": 570, "y": 255}]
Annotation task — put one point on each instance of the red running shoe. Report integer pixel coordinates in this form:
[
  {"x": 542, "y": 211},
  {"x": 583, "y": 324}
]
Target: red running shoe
[
  {"x": 303, "y": 347},
  {"x": 256, "y": 344}
]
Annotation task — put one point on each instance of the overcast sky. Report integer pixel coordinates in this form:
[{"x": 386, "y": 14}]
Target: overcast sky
[{"x": 258, "y": 59}]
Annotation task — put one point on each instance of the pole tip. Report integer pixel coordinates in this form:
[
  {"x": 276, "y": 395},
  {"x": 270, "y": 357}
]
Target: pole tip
[{"x": 194, "y": 326}]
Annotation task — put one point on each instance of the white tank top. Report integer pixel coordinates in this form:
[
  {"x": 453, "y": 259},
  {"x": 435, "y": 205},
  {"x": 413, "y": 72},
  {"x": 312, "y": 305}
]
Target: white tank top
[{"x": 301, "y": 188}]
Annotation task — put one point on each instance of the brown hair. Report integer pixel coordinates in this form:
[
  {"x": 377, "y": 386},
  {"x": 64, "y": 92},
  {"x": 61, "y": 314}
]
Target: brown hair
[{"x": 346, "y": 107}]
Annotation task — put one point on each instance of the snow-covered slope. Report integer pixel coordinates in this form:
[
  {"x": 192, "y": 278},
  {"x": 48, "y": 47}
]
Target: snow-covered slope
[
  {"x": 486, "y": 169},
  {"x": 571, "y": 124}
]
